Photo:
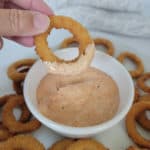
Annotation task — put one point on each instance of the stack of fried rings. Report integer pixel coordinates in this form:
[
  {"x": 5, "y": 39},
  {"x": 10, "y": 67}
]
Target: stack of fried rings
[
  {"x": 17, "y": 72},
  {"x": 98, "y": 41},
  {"x": 131, "y": 117},
  {"x": 140, "y": 67}
]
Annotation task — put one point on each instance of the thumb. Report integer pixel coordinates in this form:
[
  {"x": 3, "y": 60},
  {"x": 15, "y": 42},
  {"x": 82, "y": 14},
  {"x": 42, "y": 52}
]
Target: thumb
[{"x": 14, "y": 22}]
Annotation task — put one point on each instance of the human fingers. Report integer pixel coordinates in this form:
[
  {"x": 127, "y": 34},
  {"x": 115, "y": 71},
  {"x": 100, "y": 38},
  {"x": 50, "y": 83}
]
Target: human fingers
[{"x": 16, "y": 22}]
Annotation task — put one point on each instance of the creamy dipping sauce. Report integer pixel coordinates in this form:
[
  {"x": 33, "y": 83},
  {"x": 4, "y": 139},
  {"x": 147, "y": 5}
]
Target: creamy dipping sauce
[{"x": 86, "y": 99}]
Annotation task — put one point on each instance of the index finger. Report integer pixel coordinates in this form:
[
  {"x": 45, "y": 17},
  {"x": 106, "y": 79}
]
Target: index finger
[{"x": 37, "y": 5}]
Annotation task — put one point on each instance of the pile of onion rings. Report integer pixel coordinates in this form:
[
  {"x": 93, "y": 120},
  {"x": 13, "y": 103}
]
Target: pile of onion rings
[
  {"x": 60, "y": 66},
  {"x": 98, "y": 41},
  {"x": 140, "y": 67}
]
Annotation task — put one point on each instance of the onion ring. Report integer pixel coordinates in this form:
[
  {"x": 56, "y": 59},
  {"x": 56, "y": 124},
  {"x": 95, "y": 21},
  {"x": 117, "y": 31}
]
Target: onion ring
[
  {"x": 140, "y": 67},
  {"x": 60, "y": 66},
  {"x": 136, "y": 109},
  {"x": 13, "y": 72},
  {"x": 61, "y": 145},
  {"x": 98, "y": 41},
  {"x": 22, "y": 142},
  {"x": 10, "y": 121},
  {"x": 106, "y": 43},
  {"x": 25, "y": 115},
  {"x": 86, "y": 144},
  {"x": 18, "y": 86},
  {"x": 142, "y": 118},
  {"x": 141, "y": 82}
]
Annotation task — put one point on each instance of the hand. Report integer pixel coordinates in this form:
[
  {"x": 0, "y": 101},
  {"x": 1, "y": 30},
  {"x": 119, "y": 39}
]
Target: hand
[{"x": 20, "y": 20}]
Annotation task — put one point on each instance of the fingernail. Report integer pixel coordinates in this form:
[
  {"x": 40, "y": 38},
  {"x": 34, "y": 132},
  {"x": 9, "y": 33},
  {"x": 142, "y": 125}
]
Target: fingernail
[{"x": 41, "y": 22}]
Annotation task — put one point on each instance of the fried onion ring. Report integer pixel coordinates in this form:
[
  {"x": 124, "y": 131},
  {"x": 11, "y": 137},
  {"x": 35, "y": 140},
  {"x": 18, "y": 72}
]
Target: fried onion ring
[
  {"x": 61, "y": 145},
  {"x": 141, "y": 82},
  {"x": 142, "y": 118},
  {"x": 25, "y": 114},
  {"x": 106, "y": 43},
  {"x": 13, "y": 72},
  {"x": 60, "y": 66},
  {"x": 136, "y": 109},
  {"x": 22, "y": 142},
  {"x": 140, "y": 67},
  {"x": 10, "y": 121},
  {"x": 18, "y": 86},
  {"x": 98, "y": 41},
  {"x": 86, "y": 144}
]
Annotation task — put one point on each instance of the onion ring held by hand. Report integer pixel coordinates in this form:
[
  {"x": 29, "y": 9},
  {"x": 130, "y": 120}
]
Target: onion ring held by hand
[
  {"x": 22, "y": 142},
  {"x": 61, "y": 145},
  {"x": 140, "y": 67},
  {"x": 86, "y": 144},
  {"x": 136, "y": 109},
  {"x": 13, "y": 72},
  {"x": 60, "y": 66},
  {"x": 142, "y": 118},
  {"x": 141, "y": 82},
  {"x": 10, "y": 121}
]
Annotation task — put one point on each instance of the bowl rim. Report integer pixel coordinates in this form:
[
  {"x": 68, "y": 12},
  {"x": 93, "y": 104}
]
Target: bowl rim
[{"x": 80, "y": 131}]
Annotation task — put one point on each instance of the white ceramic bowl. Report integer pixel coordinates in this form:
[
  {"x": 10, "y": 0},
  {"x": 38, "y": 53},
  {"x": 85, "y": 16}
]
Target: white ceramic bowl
[{"x": 102, "y": 61}]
